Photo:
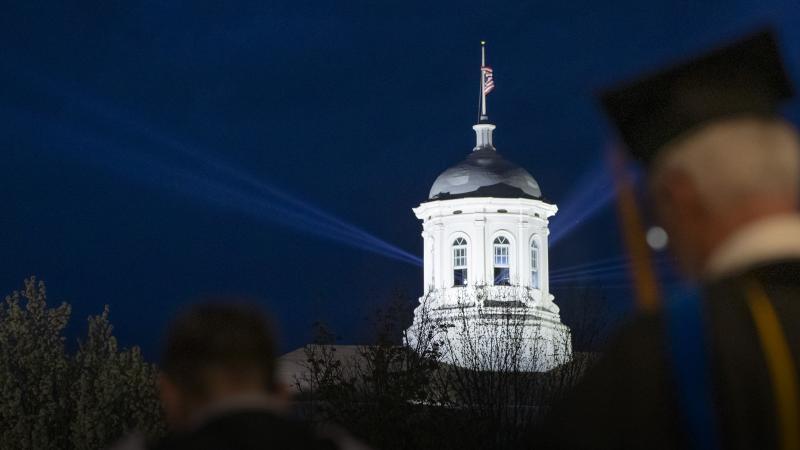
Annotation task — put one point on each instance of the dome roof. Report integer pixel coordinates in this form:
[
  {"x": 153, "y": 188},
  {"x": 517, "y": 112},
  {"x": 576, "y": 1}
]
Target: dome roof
[{"x": 485, "y": 174}]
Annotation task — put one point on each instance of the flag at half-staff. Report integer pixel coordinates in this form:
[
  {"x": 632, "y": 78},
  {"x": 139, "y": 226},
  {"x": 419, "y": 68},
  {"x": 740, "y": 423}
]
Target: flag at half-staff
[{"x": 487, "y": 81}]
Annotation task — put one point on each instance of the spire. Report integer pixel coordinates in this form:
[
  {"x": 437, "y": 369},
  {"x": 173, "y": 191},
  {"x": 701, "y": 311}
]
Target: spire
[{"x": 483, "y": 129}]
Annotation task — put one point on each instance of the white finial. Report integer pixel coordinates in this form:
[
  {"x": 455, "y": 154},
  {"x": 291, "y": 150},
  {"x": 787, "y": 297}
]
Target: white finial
[{"x": 483, "y": 136}]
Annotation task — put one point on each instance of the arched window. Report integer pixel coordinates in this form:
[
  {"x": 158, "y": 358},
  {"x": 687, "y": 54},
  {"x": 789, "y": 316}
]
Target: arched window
[
  {"x": 502, "y": 275},
  {"x": 535, "y": 264},
  {"x": 460, "y": 262}
]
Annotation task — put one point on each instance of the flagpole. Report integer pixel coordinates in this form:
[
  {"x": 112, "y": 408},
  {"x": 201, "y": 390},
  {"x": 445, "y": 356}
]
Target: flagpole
[{"x": 483, "y": 80}]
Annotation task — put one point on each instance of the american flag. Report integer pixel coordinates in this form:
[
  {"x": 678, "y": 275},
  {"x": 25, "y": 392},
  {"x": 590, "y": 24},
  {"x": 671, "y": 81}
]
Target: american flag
[{"x": 488, "y": 79}]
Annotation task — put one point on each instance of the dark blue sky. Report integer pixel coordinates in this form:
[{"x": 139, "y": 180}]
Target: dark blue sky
[{"x": 353, "y": 107}]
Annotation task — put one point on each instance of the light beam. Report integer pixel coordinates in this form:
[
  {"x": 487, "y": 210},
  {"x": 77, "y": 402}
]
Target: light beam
[
  {"x": 213, "y": 182},
  {"x": 594, "y": 191}
]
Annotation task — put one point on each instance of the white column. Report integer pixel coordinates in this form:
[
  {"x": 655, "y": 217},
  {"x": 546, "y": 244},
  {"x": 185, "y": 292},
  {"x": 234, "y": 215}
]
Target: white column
[
  {"x": 523, "y": 252},
  {"x": 545, "y": 261},
  {"x": 477, "y": 266},
  {"x": 440, "y": 256},
  {"x": 427, "y": 261}
]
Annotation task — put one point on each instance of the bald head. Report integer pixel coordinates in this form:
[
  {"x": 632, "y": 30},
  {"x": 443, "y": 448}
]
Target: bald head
[{"x": 715, "y": 180}]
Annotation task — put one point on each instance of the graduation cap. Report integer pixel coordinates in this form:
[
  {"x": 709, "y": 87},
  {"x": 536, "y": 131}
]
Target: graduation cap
[{"x": 744, "y": 78}]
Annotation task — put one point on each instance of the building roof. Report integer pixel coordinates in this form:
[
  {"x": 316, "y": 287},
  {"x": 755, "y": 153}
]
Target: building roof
[
  {"x": 485, "y": 173},
  {"x": 294, "y": 368}
]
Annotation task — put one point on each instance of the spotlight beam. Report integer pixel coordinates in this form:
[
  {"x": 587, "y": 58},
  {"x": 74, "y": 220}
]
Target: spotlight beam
[
  {"x": 607, "y": 269},
  {"x": 596, "y": 275},
  {"x": 116, "y": 117},
  {"x": 608, "y": 276},
  {"x": 592, "y": 192},
  {"x": 223, "y": 194},
  {"x": 262, "y": 188},
  {"x": 599, "y": 262},
  {"x": 595, "y": 190}
]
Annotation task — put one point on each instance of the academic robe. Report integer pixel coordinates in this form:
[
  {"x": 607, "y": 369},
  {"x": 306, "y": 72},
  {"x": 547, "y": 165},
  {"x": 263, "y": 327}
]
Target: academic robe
[{"x": 629, "y": 400}]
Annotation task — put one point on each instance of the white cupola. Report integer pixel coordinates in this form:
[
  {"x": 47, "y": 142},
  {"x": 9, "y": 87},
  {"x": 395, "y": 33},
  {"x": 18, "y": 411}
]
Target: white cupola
[{"x": 485, "y": 234}]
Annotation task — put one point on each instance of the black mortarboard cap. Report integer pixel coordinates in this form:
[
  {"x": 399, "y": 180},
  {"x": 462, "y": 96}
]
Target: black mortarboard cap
[{"x": 744, "y": 78}]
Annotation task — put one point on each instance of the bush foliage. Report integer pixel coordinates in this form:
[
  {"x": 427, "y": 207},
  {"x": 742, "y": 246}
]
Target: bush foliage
[{"x": 51, "y": 398}]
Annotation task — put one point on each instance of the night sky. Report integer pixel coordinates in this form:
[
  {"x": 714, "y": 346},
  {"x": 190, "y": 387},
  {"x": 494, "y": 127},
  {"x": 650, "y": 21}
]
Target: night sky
[{"x": 129, "y": 130}]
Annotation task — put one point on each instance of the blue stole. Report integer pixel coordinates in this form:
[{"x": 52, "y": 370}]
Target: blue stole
[{"x": 687, "y": 352}]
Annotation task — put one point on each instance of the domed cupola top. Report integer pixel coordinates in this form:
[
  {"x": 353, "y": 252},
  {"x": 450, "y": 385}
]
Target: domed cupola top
[{"x": 485, "y": 173}]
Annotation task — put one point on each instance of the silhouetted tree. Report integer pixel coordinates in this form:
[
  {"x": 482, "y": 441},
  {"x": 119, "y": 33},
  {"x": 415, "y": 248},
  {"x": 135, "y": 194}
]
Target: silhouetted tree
[
  {"x": 429, "y": 396},
  {"x": 50, "y": 399},
  {"x": 34, "y": 371},
  {"x": 113, "y": 390}
]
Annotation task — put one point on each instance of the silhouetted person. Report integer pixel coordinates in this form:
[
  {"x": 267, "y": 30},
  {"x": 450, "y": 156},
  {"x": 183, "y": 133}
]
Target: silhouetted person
[
  {"x": 717, "y": 368},
  {"x": 218, "y": 385}
]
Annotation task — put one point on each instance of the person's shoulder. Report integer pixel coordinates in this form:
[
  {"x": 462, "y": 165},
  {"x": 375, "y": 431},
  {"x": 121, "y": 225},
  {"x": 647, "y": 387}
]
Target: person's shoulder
[
  {"x": 727, "y": 297},
  {"x": 252, "y": 429},
  {"x": 783, "y": 273},
  {"x": 247, "y": 430},
  {"x": 623, "y": 399}
]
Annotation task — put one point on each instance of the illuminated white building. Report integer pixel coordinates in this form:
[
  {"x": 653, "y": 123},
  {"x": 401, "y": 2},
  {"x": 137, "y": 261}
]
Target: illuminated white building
[{"x": 485, "y": 229}]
